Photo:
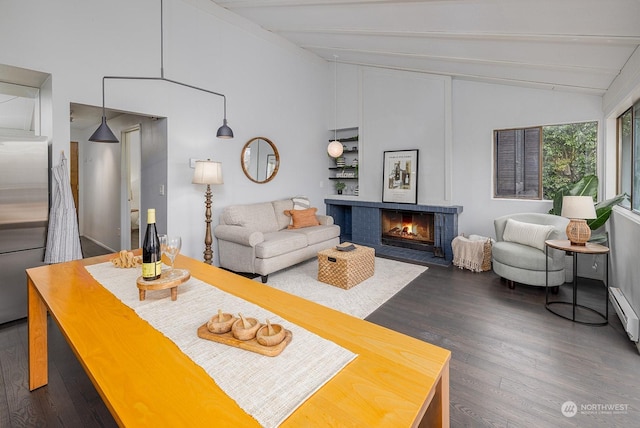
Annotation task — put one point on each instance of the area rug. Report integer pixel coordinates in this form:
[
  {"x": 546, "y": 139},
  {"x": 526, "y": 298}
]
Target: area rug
[{"x": 359, "y": 301}]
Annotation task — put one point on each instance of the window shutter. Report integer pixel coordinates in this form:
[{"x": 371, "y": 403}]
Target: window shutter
[
  {"x": 517, "y": 163},
  {"x": 532, "y": 155},
  {"x": 505, "y": 162}
]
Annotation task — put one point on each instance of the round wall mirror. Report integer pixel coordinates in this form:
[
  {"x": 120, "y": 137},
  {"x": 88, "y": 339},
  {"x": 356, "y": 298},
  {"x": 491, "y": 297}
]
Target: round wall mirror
[{"x": 260, "y": 160}]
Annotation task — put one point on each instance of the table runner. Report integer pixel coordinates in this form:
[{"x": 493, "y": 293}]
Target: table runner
[{"x": 267, "y": 388}]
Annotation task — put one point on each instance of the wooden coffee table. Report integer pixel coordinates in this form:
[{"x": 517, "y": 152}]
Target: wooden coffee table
[{"x": 145, "y": 380}]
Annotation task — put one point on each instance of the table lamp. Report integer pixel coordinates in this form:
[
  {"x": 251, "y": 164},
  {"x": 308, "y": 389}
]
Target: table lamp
[
  {"x": 208, "y": 172},
  {"x": 578, "y": 209}
]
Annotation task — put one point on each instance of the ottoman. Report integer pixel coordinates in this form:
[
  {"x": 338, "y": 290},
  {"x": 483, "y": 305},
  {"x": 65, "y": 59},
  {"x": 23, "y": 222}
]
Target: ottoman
[{"x": 345, "y": 269}]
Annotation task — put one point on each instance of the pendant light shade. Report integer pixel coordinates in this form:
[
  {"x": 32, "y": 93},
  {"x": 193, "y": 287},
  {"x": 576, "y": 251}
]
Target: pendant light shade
[
  {"x": 224, "y": 131},
  {"x": 335, "y": 149},
  {"x": 103, "y": 134}
]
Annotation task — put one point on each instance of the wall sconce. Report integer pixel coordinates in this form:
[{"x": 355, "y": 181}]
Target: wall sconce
[
  {"x": 577, "y": 209},
  {"x": 104, "y": 134},
  {"x": 208, "y": 172}
]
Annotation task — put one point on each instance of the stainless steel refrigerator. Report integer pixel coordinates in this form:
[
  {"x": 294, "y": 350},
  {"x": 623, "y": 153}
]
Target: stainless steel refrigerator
[{"x": 24, "y": 212}]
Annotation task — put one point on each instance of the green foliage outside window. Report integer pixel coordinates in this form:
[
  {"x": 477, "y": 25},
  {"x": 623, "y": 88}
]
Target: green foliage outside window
[{"x": 569, "y": 153}]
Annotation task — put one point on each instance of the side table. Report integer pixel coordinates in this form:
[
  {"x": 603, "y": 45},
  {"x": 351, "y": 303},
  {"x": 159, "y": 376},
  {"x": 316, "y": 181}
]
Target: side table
[{"x": 588, "y": 248}]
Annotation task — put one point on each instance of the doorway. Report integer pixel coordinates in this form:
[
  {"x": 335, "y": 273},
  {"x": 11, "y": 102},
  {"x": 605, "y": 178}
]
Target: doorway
[
  {"x": 131, "y": 159},
  {"x": 106, "y": 181}
]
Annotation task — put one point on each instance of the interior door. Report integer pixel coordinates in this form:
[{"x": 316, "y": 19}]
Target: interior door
[
  {"x": 73, "y": 170},
  {"x": 131, "y": 158}
]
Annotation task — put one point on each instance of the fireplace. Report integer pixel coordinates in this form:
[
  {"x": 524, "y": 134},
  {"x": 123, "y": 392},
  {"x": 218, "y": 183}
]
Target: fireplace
[
  {"x": 435, "y": 227},
  {"x": 407, "y": 229}
]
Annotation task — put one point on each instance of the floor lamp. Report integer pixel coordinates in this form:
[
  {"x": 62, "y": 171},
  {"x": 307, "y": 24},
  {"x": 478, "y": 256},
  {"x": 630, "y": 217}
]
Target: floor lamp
[{"x": 208, "y": 172}]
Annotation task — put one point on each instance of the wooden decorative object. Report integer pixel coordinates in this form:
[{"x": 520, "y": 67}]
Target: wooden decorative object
[
  {"x": 221, "y": 323},
  {"x": 126, "y": 259},
  {"x": 168, "y": 279},
  {"x": 270, "y": 335},
  {"x": 248, "y": 345},
  {"x": 245, "y": 328}
]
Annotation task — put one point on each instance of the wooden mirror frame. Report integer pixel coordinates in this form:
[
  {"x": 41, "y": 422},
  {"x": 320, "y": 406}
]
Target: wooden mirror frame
[{"x": 275, "y": 151}]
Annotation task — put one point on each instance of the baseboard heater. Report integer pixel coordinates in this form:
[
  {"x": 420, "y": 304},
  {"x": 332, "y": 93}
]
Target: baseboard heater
[{"x": 625, "y": 312}]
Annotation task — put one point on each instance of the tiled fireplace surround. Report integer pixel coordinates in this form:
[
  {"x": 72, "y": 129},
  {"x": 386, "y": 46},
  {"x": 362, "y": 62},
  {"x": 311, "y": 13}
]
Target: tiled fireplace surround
[{"x": 360, "y": 223}]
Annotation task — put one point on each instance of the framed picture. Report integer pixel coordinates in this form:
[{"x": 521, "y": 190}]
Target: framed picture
[{"x": 400, "y": 176}]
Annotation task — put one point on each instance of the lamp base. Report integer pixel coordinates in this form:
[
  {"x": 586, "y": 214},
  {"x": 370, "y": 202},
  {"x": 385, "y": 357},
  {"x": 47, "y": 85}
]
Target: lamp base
[{"x": 578, "y": 231}]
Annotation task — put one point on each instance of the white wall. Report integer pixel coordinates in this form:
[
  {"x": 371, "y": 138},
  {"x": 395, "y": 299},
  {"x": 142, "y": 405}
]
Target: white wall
[
  {"x": 480, "y": 108},
  {"x": 406, "y": 111},
  {"x": 273, "y": 89}
]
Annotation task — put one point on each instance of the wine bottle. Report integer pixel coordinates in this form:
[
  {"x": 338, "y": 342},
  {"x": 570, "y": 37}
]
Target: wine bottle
[{"x": 151, "y": 253}]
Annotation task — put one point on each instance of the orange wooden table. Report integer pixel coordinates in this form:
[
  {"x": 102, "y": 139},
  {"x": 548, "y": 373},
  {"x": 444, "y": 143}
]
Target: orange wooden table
[{"x": 145, "y": 380}]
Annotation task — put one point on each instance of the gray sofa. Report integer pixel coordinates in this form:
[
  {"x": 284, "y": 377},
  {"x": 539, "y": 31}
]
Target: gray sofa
[
  {"x": 525, "y": 262},
  {"x": 254, "y": 238}
]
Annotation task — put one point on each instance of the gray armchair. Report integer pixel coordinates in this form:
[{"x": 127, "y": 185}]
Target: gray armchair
[{"x": 518, "y": 254}]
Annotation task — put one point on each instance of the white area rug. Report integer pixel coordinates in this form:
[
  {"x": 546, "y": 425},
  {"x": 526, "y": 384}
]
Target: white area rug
[{"x": 390, "y": 277}]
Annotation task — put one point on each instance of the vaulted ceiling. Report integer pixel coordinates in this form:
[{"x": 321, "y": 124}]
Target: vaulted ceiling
[{"x": 573, "y": 45}]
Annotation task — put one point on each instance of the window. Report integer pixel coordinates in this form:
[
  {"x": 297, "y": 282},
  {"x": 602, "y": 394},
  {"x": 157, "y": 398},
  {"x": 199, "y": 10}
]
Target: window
[
  {"x": 629, "y": 156},
  {"x": 534, "y": 163}
]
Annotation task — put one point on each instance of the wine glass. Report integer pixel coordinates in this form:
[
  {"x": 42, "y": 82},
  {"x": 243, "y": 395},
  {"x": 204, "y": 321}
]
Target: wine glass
[{"x": 171, "y": 247}]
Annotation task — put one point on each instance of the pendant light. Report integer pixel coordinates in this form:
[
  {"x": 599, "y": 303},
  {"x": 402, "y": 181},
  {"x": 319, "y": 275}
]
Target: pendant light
[
  {"x": 335, "y": 147},
  {"x": 104, "y": 135}
]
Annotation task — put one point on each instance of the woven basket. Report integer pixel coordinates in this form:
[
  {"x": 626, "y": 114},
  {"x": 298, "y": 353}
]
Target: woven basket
[
  {"x": 468, "y": 264},
  {"x": 486, "y": 261},
  {"x": 344, "y": 269}
]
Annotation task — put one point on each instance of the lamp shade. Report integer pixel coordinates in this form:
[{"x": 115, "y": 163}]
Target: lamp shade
[
  {"x": 103, "y": 134},
  {"x": 224, "y": 131},
  {"x": 334, "y": 149},
  {"x": 208, "y": 172},
  {"x": 578, "y": 207}
]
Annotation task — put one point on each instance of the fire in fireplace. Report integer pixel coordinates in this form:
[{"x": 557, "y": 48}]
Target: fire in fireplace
[{"x": 407, "y": 229}]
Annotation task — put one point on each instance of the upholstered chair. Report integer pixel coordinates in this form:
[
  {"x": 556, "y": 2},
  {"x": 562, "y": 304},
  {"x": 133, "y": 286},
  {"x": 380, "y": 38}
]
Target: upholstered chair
[{"x": 518, "y": 255}]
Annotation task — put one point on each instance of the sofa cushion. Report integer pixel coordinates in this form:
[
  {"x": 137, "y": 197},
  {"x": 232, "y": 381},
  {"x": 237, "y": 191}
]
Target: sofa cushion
[
  {"x": 280, "y": 242},
  {"x": 529, "y": 234},
  {"x": 301, "y": 203},
  {"x": 260, "y": 217},
  {"x": 303, "y": 218},
  {"x": 318, "y": 234},
  {"x": 279, "y": 207}
]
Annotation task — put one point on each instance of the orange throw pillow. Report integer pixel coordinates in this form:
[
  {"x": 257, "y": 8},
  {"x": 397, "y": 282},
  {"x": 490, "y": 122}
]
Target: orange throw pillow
[{"x": 302, "y": 218}]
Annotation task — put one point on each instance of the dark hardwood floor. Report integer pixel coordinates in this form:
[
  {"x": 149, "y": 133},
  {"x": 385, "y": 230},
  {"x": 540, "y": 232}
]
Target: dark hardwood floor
[{"x": 513, "y": 362}]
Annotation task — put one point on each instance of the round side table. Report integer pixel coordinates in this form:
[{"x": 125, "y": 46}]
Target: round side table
[{"x": 588, "y": 248}]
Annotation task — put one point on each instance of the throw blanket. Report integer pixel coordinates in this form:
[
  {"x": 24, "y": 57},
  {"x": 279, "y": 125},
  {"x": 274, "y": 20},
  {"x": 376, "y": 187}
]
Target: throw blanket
[{"x": 468, "y": 253}]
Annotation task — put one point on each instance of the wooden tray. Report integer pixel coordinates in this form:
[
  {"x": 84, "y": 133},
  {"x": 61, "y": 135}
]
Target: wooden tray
[
  {"x": 168, "y": 279},
  {"x": 248, "y": 345}
]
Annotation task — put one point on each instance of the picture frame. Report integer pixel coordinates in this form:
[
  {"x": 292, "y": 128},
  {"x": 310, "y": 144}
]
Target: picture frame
[{"x": 400, "y": 176}]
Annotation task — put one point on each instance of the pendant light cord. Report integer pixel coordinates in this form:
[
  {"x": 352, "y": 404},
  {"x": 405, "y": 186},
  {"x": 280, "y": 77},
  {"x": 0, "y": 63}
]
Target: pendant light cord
[
  {"x": 162, "y": 40},
  {"x": 335, "y": 97},
  {"x": 162, "y": 78}
]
